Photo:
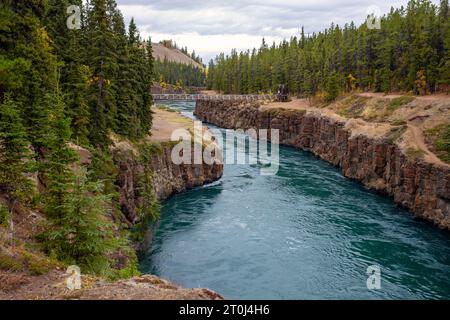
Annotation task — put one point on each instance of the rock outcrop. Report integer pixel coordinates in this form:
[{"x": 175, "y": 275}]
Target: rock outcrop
[
  {"x": 167, "y": 178},
  {"x": 376, "y": 161},
  {"x": 52, "y": 286}
]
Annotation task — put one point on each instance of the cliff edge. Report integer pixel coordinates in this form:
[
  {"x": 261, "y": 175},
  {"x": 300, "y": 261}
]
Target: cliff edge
[{"x": 377, "y": 140}]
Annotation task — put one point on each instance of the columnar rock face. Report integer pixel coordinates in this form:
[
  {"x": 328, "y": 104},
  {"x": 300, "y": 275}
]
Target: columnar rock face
[
  {"x": 380, "y": 164},
  {"x": 167, "y": 178}
]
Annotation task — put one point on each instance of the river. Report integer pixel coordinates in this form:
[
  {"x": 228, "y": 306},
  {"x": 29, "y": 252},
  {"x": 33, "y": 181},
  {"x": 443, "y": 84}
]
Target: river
[{"x": 305, "y": 233}]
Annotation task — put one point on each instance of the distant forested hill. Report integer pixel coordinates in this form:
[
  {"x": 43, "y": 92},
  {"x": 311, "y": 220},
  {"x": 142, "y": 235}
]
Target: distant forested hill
[
  {"x": 164, "y": 51},
  {"x": 177, "y": 66}
]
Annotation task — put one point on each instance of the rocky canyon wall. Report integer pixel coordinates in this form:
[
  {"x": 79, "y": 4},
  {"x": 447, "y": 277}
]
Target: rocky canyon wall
[
  {"x": 377, "y": 162},
  {"x": 166, "y": 177}
]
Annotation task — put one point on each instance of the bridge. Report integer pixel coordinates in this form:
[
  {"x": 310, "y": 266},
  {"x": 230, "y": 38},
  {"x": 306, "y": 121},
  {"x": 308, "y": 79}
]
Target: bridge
[{"x": 218, "y": 97}]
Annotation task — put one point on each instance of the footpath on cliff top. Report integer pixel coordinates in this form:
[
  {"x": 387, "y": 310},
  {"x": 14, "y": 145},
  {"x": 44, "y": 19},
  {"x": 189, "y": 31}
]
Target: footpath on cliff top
[{"x": 376, "y": 114}]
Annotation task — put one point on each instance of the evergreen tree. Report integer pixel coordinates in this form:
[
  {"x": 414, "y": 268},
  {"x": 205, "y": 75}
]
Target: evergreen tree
[
  {"x": 444, "y": 44},
  {"x": 74, "y": 74},
  {"x": 59, "y": 86},
  {"x": 15, "y": 155},
  {"x": 138, "y": 81},
  {"x": 101, "y": 56},
  {"x": 172, "y": 72},
  {"x": 27, "y": 64},
  {"x": 56, "y": 169},
  {"x": 409, "y": 53},
  {"x": 147, "y": 74},
  {"x": 76, "y": 231},
  {"x": 126, "y": 98},
  {"x": 81, "y": 235},
  {"x": 332, "y": 87}
]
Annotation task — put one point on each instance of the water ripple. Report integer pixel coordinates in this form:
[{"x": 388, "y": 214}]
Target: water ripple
[{"x": 306, "y": 233}]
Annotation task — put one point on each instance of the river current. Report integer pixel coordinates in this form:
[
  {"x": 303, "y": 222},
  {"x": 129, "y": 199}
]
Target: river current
[{"x": 306, "y": 233}]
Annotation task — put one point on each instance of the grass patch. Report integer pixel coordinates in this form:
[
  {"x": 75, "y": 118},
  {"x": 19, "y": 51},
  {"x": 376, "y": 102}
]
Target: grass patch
[
  {"x": 398, "y": 122},
  {"x": 352, "y": 106},
  {"x": 36, "y": 265},
  {"x": 4, "y": 215},
  {"x": 9, "y": 263},
  {"x": 396, "y": 103},
  {"x": 414, "y": 153},
  {"x": 21, "y": 259},
  {"x": 372, "y": 110},
  {"x": 396, "y": 133},
  {"x": 283, "y": 112},
  {"x": 383, "y": 109},
  {"x": 439, "y": 139},
  {"x": 165, "y": 108}
]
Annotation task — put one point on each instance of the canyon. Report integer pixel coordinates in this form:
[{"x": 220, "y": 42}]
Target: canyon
[
  {"x": 373, "y": 154},
  {"x": 135, "y": 165}
]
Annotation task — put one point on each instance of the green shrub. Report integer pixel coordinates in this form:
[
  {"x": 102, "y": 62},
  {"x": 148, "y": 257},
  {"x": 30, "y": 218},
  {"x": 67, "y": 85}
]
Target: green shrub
[
  {"x": 8, "y": 263},
  {"x": 439, "y": 138},
  {"x": 414, "y": 153},
  {"x": 81, "y": 234},
  {"x": 443, "y": 144},
  {"x": 396, "y": 133},
  {"x": 130, "y": 269},
  {"x": 165, "y": 108},
  {"x": 396, "y": 103},
  {"x": 353, "y": 106},
  {"x": 37, "y": 265},
  {"x": 4, "y": 215}
]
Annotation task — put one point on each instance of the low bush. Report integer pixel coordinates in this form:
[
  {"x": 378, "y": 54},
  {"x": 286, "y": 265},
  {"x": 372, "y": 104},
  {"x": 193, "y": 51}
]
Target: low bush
[
  {"x": 399, "y": 102},
  {"x": 439, "y": 139}
]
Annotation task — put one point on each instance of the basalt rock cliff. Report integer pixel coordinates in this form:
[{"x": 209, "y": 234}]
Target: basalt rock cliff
[
  {"x": 377, "y": 162},
  {"x": 166, "y": 177}
]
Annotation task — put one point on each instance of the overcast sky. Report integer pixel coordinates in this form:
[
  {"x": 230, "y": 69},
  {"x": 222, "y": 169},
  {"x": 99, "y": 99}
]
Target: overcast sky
[{"x": 213, "y": 26}]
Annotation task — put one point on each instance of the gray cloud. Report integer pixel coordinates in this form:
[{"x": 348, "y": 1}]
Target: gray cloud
[{"x": 264, "y": 18}]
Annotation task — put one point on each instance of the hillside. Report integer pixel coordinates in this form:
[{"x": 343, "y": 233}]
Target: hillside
[{"x": 173, "y": 55}]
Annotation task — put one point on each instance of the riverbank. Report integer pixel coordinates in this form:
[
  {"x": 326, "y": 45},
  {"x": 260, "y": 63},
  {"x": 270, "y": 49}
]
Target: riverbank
[
  {"x": 166, "y": 177},
  {"x": 366, "y": 137},
  {"x": 145, "y": 175}
]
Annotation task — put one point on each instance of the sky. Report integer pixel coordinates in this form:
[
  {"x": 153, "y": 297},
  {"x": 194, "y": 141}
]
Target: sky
[{"x": 211, "y": 26}]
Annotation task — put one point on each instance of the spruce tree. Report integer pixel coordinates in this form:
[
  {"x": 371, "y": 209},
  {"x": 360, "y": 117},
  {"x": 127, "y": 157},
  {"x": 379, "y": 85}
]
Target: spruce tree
[
  {"x": 15, "y": 154},
  {"x": 27, "y": 63},
  {"x": 81, "y": 235},
  {"x": 55, "y": 169},
  {"x": 75, "y": 231},
  {"x": 75, "y": 75},
  {"x": 332, "y": 87},
  {"x": 101, "y": 55},
  {"x": 408, "y": 53},
  {"x": 137, "y": 63},
  {"x": 14, "y": 162},
  {"x": 126, "y": 100},
  {"x": 444, "y": 41}
]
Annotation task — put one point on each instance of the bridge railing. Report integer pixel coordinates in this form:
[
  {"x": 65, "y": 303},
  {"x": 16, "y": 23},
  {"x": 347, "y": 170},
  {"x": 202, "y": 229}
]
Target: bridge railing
[{"x": 224, "y": 97}]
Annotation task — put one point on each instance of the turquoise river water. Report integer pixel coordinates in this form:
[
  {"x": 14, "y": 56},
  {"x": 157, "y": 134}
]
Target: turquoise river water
[{"x": 305, "y": 233}]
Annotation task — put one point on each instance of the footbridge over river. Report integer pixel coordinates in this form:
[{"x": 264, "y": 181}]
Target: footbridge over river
[{"x": 218, "y": 97}]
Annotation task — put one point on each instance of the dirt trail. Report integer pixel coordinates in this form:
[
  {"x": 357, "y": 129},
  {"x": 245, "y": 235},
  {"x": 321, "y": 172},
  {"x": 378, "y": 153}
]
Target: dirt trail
[
  {"x": 419, "y": 140},
  {"x": 166, "y": 122},
  {"x": 423, "y": 113},
  {"x": 430, "y": 98}
]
